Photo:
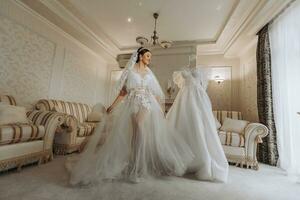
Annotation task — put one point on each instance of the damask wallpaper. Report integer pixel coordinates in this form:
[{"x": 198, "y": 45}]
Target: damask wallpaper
[
  {"x": 25, "y": 62},
  {"x": 220, "y": 93},
  {"x": 79, "y": 78},
  {"x": 248, "y": 85},
  {"x": 34, "y": 66},
  {"x": 249, "y": 90}
]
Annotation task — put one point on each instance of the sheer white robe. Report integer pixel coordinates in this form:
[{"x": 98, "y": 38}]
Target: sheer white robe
[{"x": 138, "y": 140}]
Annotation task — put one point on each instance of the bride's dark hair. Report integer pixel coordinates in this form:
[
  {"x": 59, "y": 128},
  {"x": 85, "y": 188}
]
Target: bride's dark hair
[{"x": 141, "y": 51}]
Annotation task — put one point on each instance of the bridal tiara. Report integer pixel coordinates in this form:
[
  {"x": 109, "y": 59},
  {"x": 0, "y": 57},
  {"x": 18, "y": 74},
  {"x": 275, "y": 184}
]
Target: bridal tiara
[{"x": 142, "y": 48}]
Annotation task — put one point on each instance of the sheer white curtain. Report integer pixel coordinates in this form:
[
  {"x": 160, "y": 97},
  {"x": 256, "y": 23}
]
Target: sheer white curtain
[{"x": 285, "y": 53}]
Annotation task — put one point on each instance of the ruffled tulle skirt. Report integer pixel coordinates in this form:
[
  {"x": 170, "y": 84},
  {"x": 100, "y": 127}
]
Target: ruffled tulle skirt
[
  {"x": 135, "y": 141},
  {"x": 192, "y": 116}
]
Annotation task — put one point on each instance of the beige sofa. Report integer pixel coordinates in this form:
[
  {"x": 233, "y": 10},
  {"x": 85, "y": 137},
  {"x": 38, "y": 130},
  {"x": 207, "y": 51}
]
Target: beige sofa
[
  {"x": 75, "y": 130},
  {"x": 240, "y": 148},
  {"x": 24, "y": 143}
]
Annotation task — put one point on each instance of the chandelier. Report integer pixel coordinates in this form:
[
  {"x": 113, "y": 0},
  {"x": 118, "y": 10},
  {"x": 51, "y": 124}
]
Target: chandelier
[{"x": 143, "y": 41}]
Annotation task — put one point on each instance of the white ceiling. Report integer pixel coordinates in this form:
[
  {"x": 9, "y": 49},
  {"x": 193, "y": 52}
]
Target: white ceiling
[
  {"x": 209, "y": 26},
  {"x": 189, "y": 20}
]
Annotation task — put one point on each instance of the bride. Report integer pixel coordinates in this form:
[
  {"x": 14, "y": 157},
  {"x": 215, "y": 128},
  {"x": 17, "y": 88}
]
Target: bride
[
  {"x": 191, "y": 114},
  {"x": 138, "y": 143}
]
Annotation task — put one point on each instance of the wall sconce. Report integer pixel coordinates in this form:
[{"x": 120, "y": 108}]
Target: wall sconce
[{"x": 218, "y": 79}]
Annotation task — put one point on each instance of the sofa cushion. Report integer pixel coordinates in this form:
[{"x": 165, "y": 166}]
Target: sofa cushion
[
  {"x": 16, "y": 133},
  {"x": 234, "y": 125},
  {"x": 221, "y": 115},
  {"x": 79, "y": 110},
  {"x": 218, "y": 124},
  {"x": 95, "y": 117},
  {"x": 10, "y": 114},
  {"x": 85, "y": 129},
  {"x": 99, "y": 107},
  {"x": 232, "y": 139},
  {"x": 10, "y": 100}
]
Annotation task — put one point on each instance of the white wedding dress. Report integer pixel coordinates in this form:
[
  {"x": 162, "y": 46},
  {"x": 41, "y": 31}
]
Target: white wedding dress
[
  {"x": 138, "y": 141},
  {"x": 191, "y": 114}
]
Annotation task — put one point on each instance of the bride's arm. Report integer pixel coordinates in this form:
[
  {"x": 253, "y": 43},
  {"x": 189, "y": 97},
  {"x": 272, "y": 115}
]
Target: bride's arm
[{"x": 119, "y": 98}]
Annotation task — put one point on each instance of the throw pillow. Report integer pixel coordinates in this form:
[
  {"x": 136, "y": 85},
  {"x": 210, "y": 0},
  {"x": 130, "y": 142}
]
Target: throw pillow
[
  {"x": 234, "y": 125},
  {"x": 12, "y": 114}
]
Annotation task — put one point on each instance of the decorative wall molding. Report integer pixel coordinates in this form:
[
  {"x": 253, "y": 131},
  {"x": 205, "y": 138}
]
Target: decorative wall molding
[
  {"x": 220, "y": 94},
  {"x": 249, "y": 90},
  {"x": 246, "y": 15},
  {"x": 26, "y": 60},
  {"x": 248, "y": 87},
  {"x": 158, "y": 52},
  {"x": 60, "y": 31},
  {"x": 267, "y": 14},
  {"x": 68, "y": 25},
  {"x": 262, "y": 16},
  {"x": 238, "y": 21},
  {"x": 78, "y": 78},
  {"x": 35, "y": 56},
  {"x": 59, "y": 7}
]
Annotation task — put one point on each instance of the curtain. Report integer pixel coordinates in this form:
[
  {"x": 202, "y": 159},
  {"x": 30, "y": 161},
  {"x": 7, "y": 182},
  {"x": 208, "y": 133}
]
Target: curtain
[
  {"x": 285, "y": 48},
  {"x": 267, "y": 151}
]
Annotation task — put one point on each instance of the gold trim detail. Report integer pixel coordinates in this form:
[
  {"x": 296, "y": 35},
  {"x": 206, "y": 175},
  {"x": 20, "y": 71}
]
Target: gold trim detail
[
  {"x": 243, "y": 161},
  {"x": 63, "y": 149},
  {"x": 41, "y": 157}
]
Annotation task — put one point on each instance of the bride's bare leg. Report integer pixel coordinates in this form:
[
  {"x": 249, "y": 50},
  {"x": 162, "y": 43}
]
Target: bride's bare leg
[{"x": 137, "y": 121}]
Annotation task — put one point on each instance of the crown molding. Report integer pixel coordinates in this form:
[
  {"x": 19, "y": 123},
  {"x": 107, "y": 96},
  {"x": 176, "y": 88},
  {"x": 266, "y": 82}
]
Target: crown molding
[
  {"x": 66, "y": 11},
  {"x": 69, "y": 17},
  {"x": 248, "y": 36},
  {"x": 158, "y": 52},
  {"x": 238, "y": 21},
  {"x": 267, "y": 14},
  {"x": 256, "y": 9},
  {"x": 30, "y": 11},
  {"x": 247, "y": 16},
  {"x": 88, "y": 25},
  {"x": 53, "y": 13},
  {"x": 187, "y": 43},
  {"x": 243, "y": 36}
]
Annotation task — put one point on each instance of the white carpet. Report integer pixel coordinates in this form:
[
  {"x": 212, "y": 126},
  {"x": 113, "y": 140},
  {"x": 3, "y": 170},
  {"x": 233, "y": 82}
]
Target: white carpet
[{"x": 49, "y": 181}]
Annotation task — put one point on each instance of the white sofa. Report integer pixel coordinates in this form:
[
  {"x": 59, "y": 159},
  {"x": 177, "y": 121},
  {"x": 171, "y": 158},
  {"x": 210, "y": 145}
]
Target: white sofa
[
  {"x": 24, "y": 143},
  {"x": 240, "y": 148},
  {"x": 75, "y": 129}
]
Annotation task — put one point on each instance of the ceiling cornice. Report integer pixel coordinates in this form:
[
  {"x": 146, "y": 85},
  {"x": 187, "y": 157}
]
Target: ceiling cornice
[
  {"x": 267, "y": 14},
  {"x": 238, "y": 21},
  {"x": 248, "y": 37},
  {"x": 246, "y": 15},
  {"x": 58, "y": 16},
  {"x": 97, "y": 33},
  {"x": 194, "y": 43}
]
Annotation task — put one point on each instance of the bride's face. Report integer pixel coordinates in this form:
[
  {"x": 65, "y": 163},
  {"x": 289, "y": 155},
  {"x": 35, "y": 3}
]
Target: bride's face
[{"x": 146, "y": 58}]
